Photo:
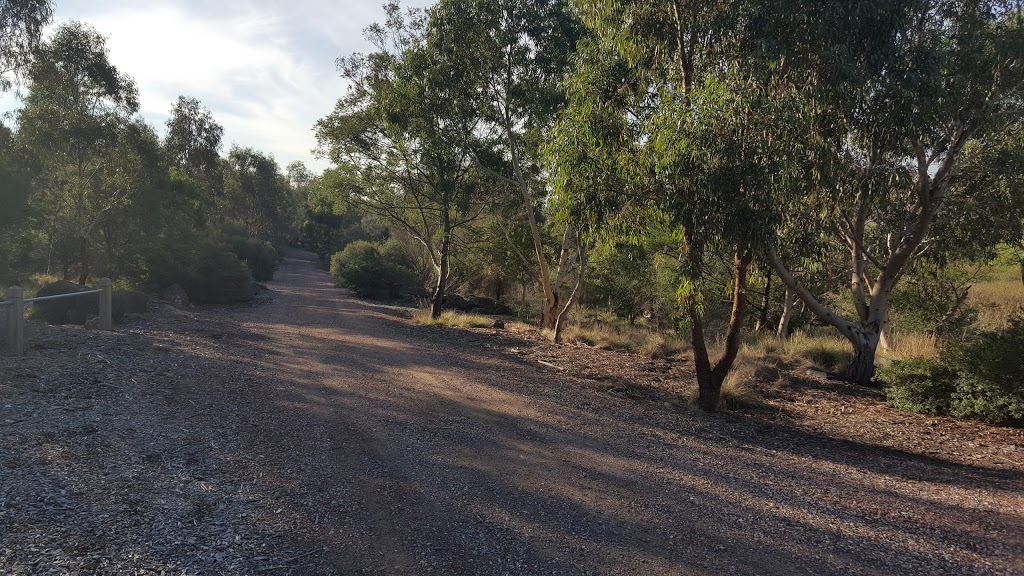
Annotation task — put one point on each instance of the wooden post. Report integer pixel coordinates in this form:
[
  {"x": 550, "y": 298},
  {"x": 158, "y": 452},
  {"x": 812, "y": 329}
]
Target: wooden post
[
  {"x": 16, "y": 320},
  {"x": 106, "y": 307}
]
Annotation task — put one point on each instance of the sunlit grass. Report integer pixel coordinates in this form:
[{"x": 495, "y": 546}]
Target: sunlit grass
[
  {"x": 626, "y": 339},
  {"x": 822, "y": 351},
  {"x": 739, "y": 390},
  {"x": 997, "y": 301},
  {"x": 452, "y": 319},
  {"x": 911, "y": 345}
]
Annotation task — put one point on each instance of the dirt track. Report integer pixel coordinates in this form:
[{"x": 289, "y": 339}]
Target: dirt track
[{"x": 319, "y": 434}]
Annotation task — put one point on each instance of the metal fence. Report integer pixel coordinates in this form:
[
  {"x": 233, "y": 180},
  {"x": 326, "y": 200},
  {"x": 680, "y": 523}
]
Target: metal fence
[{"x": 16, "y": 302}]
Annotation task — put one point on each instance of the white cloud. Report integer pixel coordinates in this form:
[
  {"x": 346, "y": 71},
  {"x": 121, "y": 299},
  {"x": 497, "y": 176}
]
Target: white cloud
[
  {"x": 245, "y": 68},
  {"x": 265, "y": 68}
]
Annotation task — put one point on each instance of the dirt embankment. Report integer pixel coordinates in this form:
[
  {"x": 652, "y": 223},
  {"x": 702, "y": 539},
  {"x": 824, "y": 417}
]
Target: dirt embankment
[{"x": 313, "y": 433}]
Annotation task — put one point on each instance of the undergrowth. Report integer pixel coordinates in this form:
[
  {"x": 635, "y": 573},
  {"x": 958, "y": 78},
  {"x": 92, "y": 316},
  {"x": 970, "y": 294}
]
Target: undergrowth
[{"x": 452, "y": 319}]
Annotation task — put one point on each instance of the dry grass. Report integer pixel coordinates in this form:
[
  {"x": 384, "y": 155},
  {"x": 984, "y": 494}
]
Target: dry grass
[
  {"x": 824, "y": 352},
  {"x": 997, "y": 300},
  {"x": 31, "y": 285},
  {"x": 739, "y": 390},
  {"x": 912, "y": 345},
  {"x": 627, "y": 339},
  {"x": 452, "y": 319}
]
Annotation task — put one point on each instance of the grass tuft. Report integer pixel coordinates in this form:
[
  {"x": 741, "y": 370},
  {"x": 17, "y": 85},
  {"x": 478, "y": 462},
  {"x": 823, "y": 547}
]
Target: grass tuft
[
  {"x": 738, "y": 389},
  {"x": 452, "y": 319},
  {"x": 627, "y": 339},
  {"x": 824, "y": 352},
  {"x": 912, "y": 345}
]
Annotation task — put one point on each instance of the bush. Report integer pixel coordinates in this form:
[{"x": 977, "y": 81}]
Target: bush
[
  {"x": 981, "y": 379},
  {"x": 261, "y": 257},
  {"x": 206, "y": 269},
  {"x": 919, "y": 385},
  {"x": 367, "y": 269},
  {"x": 991, "y": 383}
]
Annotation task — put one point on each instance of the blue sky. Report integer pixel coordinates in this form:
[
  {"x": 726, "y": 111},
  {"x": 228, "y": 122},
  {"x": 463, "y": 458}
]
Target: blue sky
[{"x": 265, "y": 68}]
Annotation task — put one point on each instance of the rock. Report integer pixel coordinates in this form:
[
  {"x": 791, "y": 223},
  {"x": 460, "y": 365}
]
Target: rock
[
  {"x": 454, "y": 301},
  {"x": 482, "y": 303},
  {"x": 416, "y": 292},
  {"x": 175, "y": 295},
  {"x": 502, "y": 309},
  {"x": 66, "y": 310},
  {"x": 128, "y": 302}
]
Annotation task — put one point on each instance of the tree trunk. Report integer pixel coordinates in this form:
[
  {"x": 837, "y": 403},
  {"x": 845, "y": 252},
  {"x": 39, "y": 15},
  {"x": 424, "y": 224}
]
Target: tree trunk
[
  {"x": 560, "y": 319},
  {"x": 709, "y": 392},
  {"x": 710, "y": 379},
  {"x": 549, "y": 314},
  {"x": 862, "y": 367},
  {"x": 886, "y": 339},
  {"x": 766, "y": 299},
  {"x": 787, "y": 312},
  {"x": 436, "y": 306},
  {"x": 83, "y": 257},
  {"x": 573, "y": 296}
]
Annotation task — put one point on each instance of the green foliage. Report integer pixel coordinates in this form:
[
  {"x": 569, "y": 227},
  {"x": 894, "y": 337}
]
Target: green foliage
[
  {"x": 331, "y": 222},
  {"x": 14, "y": 185},
  {"x": 371, "y": 270},
  {"x": 919, "y": 385},
  {"x": 261, "y": 256},
  {"x": 21, "y": 29},
  {"x": 991, "y": 368},
  {"x": 933, "y": 299},
  {"x": 258, "y": 195},
  {"x": 982, "y": 379},
  {"x": 205, "y": 268},
  {"x": 634, "y": 281}
]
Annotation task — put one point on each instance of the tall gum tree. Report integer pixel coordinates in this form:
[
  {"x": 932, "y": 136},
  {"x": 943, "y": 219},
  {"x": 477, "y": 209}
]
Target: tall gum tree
[
  {"x": 193, "y": 143},
  {"x": 78, "y": 106},
  {"x": 515, "y": 53},
  {"x": 21, "y": 30},
  {"x": 898, "y": 116},
  {"x": 664, "y": 118},
  {"x": 402, "y": 137}
]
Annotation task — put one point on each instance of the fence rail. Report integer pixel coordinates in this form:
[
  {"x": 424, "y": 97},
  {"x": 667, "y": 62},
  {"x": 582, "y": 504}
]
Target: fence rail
[{"x": 16, "y": 312}]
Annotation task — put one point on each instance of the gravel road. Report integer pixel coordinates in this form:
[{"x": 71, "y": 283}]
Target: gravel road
[{"x": 319, "y": 434}]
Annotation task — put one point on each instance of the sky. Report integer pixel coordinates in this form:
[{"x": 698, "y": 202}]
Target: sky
[{"x": 264, "y": 68}]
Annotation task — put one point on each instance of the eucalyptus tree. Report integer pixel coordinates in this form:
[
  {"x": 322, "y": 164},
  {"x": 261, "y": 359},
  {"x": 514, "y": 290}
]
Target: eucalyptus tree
[
  {"x": 193, "y": 142},
  {"x": 257, "y": 195},
  {"x": 78, "y": 106},
  {"x": 913, "y": 85},
  {"x": 515, "y": 53},
  {"x": 402, "y": 137},
  {"x": 666, "y": 121},
  {"x": 21, "y": 30},
  {"x": 986, "y": 207},
  {"x": 135, "y": 183}
]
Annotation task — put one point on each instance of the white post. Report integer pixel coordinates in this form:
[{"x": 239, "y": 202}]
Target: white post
[
  {"x": 16, "y": 320},
  {"x": 106, "y": 305}
]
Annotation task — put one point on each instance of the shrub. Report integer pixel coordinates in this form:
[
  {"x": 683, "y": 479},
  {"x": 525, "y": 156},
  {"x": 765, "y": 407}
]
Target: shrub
[
  {"x": 919, "y": 385},
  {"x": 983, "y": 379},
  {"x": 205, "y": 268},
  {"x": 261, "y": 257},
  {"x": 217, "y": 276},
  {"x": 991, "y": 382},
  {"x": 368, "y": 271}
]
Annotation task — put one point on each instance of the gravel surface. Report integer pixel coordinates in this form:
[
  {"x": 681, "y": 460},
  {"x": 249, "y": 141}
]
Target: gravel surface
[{"x": 313, "y": 433}]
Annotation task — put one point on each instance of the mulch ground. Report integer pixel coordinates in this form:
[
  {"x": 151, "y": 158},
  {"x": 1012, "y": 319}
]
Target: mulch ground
[{"x": 114, "y": 461}]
